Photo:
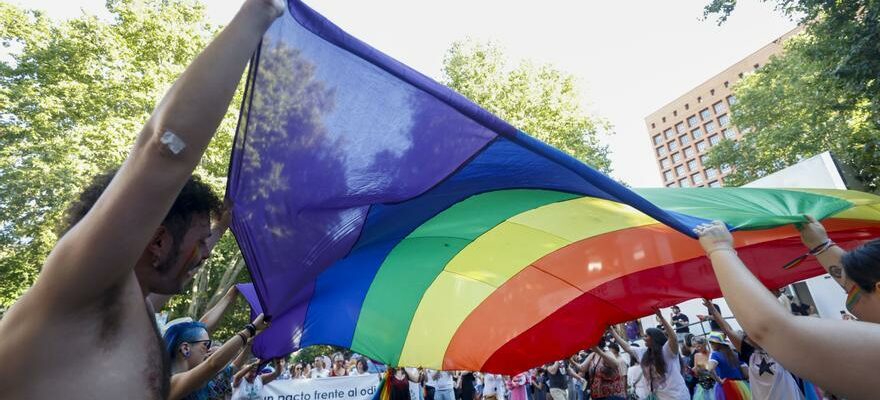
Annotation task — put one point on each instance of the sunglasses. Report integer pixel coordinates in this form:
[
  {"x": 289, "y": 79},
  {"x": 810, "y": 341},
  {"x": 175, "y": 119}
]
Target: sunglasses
[{"x": 206, "y": 342}]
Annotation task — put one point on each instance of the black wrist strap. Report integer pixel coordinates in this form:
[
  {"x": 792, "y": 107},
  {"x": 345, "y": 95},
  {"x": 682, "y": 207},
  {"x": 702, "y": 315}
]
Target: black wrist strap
[{"x": 252, "y": 330}]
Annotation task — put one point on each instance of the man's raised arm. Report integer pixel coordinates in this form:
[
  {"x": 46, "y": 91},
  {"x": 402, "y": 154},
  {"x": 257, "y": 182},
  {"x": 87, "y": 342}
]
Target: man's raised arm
[{"x": 101, "y": 250}]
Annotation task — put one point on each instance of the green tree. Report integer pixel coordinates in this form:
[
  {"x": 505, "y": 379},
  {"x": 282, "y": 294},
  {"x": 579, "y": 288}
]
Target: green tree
[
  {"x": 822, "y": 93},
  {"x": 538, "y": 99},
  {"x": 74, "y": 96}
]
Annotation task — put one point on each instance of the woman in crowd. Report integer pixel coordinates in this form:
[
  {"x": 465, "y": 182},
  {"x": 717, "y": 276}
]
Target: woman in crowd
[
  {"x": 603, "y": 375},
  {"x": 360, "y": 367},
  {"x": 192, "y": 368},
  {"x": 725, "y": 366},
  {"x": 705, "y": 388},
  {"x": 466, "y": 383},
  {"x": 400, "y": 380},
  {"x": 786, "y": 337},
  {"x": 296, "y": 371},
  {"x": 339, "y": 366},
  {"x": 517, "y": 386},
  {"x": 659, "y": 360}
]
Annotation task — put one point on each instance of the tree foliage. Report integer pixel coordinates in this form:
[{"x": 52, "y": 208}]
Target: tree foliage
[
  {"x": 74, "y": 96},
  {"x": 538, "y": 99},
  {"x": 822, "y": 93}
]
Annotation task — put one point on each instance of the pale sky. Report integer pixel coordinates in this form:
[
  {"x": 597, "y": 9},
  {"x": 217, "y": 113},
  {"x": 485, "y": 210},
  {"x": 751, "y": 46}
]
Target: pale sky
[{"x": 631, "y": 57}]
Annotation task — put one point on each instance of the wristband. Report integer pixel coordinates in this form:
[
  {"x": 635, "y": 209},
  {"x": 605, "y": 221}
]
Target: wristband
[
  {"x": 709, "y": 253},
  {"x": 244, "y": 339},
  {"x": 821, "y": 248},
  {"x": 252, "y": 330}
]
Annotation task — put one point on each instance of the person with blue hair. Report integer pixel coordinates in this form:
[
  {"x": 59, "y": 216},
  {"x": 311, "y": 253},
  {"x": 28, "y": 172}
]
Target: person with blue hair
[{"x": 195, "y": 367}]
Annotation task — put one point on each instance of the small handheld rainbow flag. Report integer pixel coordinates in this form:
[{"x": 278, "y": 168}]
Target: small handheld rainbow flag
[{"x": 383, "y": 391}]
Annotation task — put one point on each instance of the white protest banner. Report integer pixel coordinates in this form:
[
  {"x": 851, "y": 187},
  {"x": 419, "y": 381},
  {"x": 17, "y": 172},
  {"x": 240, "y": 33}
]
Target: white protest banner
[{"x": 338, "y": 388}]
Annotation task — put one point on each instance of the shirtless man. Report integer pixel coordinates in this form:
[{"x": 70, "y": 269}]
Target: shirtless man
[{"x": 84, "y": 331}]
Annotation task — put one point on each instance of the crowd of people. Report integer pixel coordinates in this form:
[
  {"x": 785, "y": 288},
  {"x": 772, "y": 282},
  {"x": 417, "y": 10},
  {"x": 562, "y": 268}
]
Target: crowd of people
[{"x": 85, "y": 329}]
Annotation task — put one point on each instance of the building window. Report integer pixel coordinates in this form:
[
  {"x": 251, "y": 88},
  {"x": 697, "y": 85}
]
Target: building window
[
  {"x": 698, "y": 133},
  {"x": 711, "y": 173},
  {"x": 680, "y": 171},
  {"x": 703, "y": 159},
  {"x": 698, "y": 179},
  {"x": 667, "y": 176},
  {"x": 684, "y": 183},
  {"x": 714, "y": 184},
  {"x": 692, "y": 165},
  {"x": 699, "y": 99},
  {"x": 685, "y": 140},
  {"x": 668, "y": 133},
  {"x": 687, "y": 106},
  {"x": 705, "y": 114},
  {"x": 726, "y": 168},
  {"x": 710, "y": 126},
  {"x": 688, "y": 152},
  {"x": 729, "y": 133},
  {"x": 724, "y": 120},
  {"x": 675, "y": 113},
  {"x": 726, "y": 84},
  {"x": 701, "y": 146},
  {"x": 676, "y": 157},
  {"x": 663, "y": 120},
  {"x": 653, "y": 125},
  {"x": 661, "y": 151},
  {"x": 673, "y": 146},
  {"x": 719, "y": 107},
  {"x": 664, "y": 163},
  {"x": 714, "y": 139},
  {"x": 658, "y": 139},
  {"x": 693, "y": 121},
  {"x": 731, "y": 99},
  {"x": 679, "y": 127}
]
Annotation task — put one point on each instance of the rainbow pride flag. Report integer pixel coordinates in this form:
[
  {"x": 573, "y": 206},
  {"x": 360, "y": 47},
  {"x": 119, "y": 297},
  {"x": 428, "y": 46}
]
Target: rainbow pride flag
[{"x": 380, "y": 211}]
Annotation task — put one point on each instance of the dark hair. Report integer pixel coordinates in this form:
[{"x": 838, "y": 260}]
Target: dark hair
[
  {"x": 614, "y": 347},
  {"x": 689, "y": 340},
  {"x": 653, "y": 357},
  {"x": 364, "y": 362},
  {"x": 862, "y": 265},
  {"x": 196, "y": 197}
]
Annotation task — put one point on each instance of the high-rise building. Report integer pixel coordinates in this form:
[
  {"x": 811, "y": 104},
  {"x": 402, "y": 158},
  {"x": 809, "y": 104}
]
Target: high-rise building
[{"x": 683, "y": 131}]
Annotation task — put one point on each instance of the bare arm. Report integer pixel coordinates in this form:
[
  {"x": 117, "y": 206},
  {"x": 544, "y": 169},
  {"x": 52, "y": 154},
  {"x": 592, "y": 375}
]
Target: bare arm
[
  {"x": 277, "y": 367},
  {"x": 236, "y": 380},
  {"x": 187, "y": 382},
  {"x": 785, "y": 336},
  {"x": 212, "y": 317},
  {"x": 77, "y": 270},
  {"x": 243, "y": 355},
  {"x": 624, "y": 344},
  {"x": 672, "y": 340},
  {"x": 813, "y": 235},
  {"x": 734, "y": 336}
]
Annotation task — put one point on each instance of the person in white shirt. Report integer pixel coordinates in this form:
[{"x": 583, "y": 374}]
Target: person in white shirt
[
  {"x": 636, "y": 381},
  {"x": 248, "y": 383},
  {"x": 493, "y": 387},
  {"x": 442, "y": 383},
  {"x": 319, "y": 369},
  {"x": 659, "y": 360}
]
